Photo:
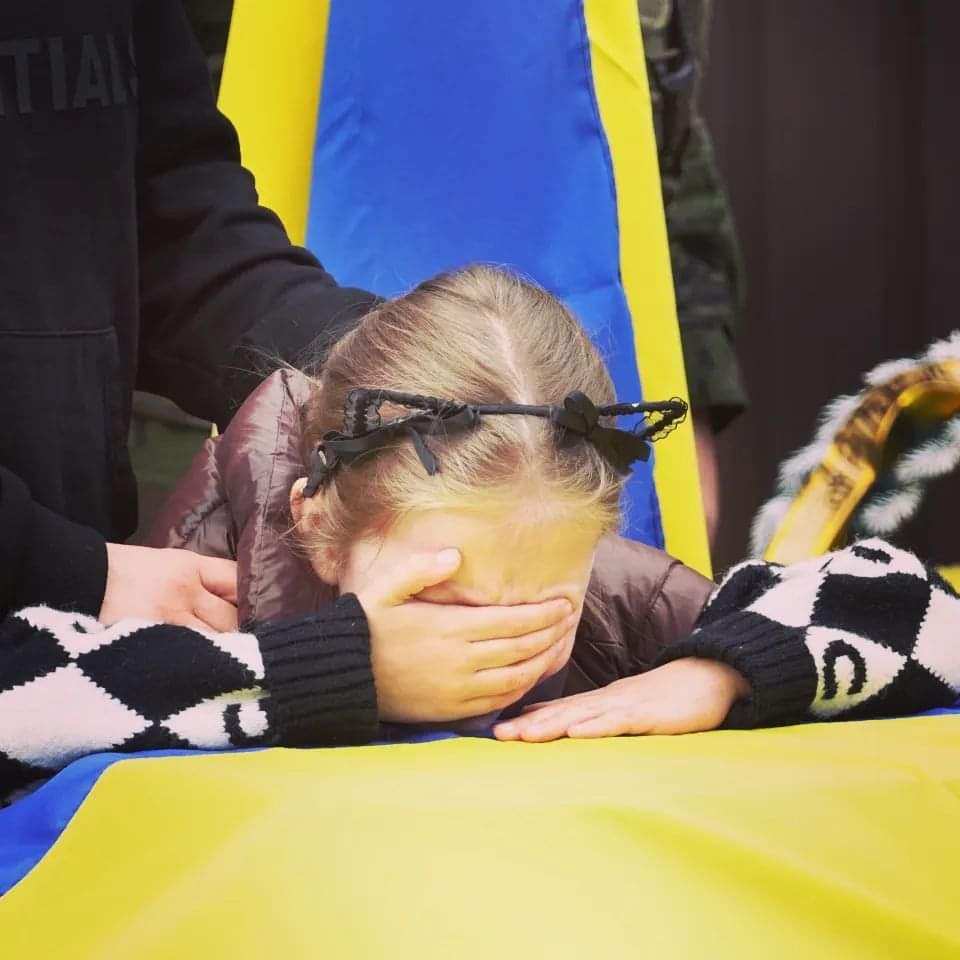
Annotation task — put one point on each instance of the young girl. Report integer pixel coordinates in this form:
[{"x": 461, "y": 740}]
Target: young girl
[{"x": 452, "y": 455}]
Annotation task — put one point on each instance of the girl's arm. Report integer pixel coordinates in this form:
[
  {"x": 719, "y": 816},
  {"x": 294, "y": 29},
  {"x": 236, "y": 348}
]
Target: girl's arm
[
  {"x": 70, "y": 686},
  {"x": 867, "y": 631},
  {"x": 864, "y": 632}
]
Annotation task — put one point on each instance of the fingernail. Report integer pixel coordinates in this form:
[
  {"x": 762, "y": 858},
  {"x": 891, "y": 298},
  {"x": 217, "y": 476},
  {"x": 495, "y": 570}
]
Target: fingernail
[{"x": 448, "y": 557}]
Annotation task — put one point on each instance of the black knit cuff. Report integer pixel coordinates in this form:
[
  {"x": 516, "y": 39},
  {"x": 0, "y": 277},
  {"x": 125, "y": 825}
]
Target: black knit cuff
[
  {"x": 772, "y": 658},
  {"x": 319, "y": 676}
]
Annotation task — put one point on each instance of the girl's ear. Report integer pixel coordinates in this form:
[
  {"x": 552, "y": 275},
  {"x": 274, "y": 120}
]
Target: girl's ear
[
  {"x": 298, "y": 503},
  {"x": 307, "y": 513}
]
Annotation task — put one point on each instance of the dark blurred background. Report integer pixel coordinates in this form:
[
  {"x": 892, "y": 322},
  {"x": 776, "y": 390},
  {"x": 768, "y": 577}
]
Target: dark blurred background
[{"x": 836, "y": 128}]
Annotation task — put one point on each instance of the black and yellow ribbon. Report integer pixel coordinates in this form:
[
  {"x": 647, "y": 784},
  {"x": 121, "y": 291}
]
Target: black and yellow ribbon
[{"x": 820, "y": 514}]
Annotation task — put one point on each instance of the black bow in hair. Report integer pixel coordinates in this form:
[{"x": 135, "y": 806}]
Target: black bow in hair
[{"x": 578, "y": 420}]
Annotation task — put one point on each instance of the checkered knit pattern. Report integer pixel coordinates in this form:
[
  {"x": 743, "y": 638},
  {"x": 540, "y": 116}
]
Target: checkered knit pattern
[
  {"x": 868, "y": 631},
  {"x": 70, "y": 686}
]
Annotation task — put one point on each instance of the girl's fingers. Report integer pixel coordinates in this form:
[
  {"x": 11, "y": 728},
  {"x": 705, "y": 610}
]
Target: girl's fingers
[
  {"x": 553, "y": 728},
  {"x": 545, "y": 712},
  {"x": 483, "y": 623},
  {"x": 513, "y": 681},
  {"x": 219, "y": 577},
  {"x": 217, "y": 615},
  {"x": 546, "y": 724},
  {"x": 421, "y": 570},
  {"x": 616, "y": 723},
  {"x": 488, "y": 654}
]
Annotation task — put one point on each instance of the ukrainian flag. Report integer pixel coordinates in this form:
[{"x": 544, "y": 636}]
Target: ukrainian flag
[
  {"x": 519, "y": 132},
  {"x": 399, "y": 139}
]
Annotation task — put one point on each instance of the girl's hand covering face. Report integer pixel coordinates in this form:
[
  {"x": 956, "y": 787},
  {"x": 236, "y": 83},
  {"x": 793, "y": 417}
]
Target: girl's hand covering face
[
  {"x": 437, "y": 662},
  {"x": 685, "y": 696}
]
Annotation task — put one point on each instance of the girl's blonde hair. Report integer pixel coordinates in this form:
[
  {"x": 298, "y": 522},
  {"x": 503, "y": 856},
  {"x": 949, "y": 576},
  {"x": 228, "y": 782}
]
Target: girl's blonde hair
[{"x": 478, "y": 335}]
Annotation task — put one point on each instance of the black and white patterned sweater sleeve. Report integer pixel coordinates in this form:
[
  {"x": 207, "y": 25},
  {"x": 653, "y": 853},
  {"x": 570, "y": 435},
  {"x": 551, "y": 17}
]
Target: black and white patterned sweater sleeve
[
  {"x": 867, "y": 631},
  {"x": 70, "y": 686}
]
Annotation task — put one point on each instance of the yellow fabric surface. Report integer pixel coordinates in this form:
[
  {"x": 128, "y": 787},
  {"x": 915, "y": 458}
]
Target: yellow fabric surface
[
  {"x": 623, "y": 96},
  {"x": 836, "y": 841},
  {"x": 270, "y": 89}
]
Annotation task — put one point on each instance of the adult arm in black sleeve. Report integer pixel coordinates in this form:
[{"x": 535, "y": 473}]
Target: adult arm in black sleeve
[
  {"x": 70, "y": 686},
  {"x": 45, "y": 558},
  {"x": 221, "y": 286}
]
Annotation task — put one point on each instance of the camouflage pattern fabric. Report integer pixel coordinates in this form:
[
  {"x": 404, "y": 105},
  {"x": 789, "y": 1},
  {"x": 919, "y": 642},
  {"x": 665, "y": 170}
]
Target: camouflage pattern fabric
[{"x": 707, "y": 270}]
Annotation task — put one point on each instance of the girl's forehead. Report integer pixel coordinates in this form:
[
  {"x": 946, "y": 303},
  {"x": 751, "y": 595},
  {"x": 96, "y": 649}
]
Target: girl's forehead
[{"x": 507, "y": 558}]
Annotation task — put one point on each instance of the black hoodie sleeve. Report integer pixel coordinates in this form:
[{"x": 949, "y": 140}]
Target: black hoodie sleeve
[
  {"x": 45, "y": 558},
  {"x": 222, "y": 288},
  {"x": 135, "y": 686}
]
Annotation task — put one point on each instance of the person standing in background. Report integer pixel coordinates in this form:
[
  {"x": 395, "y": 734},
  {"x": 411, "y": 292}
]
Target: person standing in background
[
  {"x": 707, "y": 269},
  {"x": 135, "y": 255}
]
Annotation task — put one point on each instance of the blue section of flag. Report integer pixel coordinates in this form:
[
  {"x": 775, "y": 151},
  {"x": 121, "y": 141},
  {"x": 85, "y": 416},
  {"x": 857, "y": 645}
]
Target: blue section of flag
[{"x": 452, "y": 133}]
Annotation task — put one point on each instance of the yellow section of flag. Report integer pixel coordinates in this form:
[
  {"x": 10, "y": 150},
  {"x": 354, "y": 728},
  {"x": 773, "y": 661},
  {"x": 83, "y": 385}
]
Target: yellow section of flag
[{"x": 825, "y": 840}]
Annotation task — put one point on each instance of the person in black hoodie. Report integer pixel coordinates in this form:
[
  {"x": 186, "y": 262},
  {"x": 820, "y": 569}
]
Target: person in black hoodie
[{"x": 133, "y": 254}]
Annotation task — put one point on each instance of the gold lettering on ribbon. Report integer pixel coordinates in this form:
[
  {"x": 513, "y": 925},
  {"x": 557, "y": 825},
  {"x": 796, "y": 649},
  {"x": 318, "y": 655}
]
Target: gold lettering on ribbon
[{"x": 819, "y": 515}]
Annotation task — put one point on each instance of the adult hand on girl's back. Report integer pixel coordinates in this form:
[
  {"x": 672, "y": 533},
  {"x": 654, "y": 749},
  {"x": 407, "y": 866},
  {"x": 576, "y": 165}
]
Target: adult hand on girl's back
[
  {"x": 435, "y": 662},
  {"x": 684, "y": 696},
  {"x": 169, "y": 586}
]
